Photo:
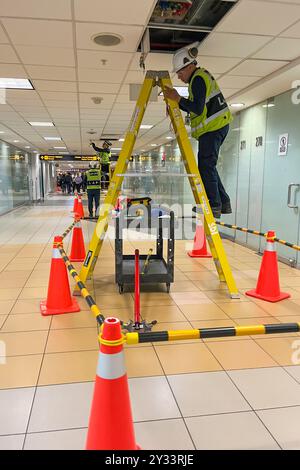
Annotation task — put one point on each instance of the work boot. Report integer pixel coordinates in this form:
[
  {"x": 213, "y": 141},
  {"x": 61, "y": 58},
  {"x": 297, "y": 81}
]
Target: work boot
[
  {"x": 216, "y": 211},
  {"x": 226, "y": 208}
]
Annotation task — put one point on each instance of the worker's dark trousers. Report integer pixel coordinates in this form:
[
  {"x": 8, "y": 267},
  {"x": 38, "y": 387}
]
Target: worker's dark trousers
[
  {"x": 105, "y": 175},
  {"x": 93, "y": 195},
  {"x": 208, "y": 152}
]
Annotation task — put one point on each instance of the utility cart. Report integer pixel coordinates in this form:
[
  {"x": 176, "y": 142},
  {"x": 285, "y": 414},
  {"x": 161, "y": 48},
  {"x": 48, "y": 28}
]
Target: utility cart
[{"x": 153, "y": 267}]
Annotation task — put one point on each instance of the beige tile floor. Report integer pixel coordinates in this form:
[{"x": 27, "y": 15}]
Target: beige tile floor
[{"x": 62, "y": 350}]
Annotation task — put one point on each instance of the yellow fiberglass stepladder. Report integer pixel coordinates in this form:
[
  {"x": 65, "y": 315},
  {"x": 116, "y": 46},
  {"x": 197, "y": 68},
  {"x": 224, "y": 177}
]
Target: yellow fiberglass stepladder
[{"x": 161, "y": 79}]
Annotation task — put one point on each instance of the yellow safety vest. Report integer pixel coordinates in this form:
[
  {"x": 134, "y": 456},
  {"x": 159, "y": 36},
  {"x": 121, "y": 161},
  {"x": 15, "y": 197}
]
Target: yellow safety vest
[
  {"x": 216, "y": 113},
  {"x": 93, "y": 179}
]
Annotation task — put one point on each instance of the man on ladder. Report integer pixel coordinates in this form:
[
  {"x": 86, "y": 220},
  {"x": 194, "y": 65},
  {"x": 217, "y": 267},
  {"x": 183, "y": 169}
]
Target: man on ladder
[
  {"x": 105, "y": 155},
  {"x": 210, "y": 119}
]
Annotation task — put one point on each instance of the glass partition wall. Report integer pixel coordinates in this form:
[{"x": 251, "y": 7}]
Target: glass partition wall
[{"x": 14, "y": 182}]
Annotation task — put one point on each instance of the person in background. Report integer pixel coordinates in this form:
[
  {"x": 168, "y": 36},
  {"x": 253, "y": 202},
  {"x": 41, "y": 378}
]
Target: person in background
[
  {"x": 93, "y": 181},
  {"x": 69, "y": 181},
  {"x": 78, "y": 182},
  {"x": 210, "y": 118},
  {"x": 105, "y": 156},
  {"x": 83, "y": 177}
]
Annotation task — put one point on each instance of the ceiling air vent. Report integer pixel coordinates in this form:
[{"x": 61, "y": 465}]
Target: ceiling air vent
[{"x": 107, "y": 39}]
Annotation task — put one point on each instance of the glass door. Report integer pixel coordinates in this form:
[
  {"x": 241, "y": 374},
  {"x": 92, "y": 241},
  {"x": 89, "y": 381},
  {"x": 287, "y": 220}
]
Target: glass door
[{"x": 281, "y": 188}]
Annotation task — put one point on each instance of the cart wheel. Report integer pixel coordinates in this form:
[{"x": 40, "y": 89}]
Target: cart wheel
[
  {"x": 121, "y": 288},
  {"x": 168, "y": 287}
]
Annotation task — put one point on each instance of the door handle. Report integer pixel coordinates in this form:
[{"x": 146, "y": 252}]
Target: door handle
[{"x": 290, "y": 195}]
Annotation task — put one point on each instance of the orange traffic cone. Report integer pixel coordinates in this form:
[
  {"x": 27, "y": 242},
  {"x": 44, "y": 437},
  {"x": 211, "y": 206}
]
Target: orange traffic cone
[
  {"x": 199, "y": 249},
  {"x": 75, "y": 206},
  {"x": 79, "y": 210},
  {"x": 110, "y": 424},
  {"x": 77, "y": 248},
  {"x": 59, "y": 298},
  {"x": 267, "y": 287}
]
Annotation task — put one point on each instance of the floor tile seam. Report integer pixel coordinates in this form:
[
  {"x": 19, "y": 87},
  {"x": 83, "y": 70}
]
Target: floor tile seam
[
  {"x": 35, "y": 387},
  {"x": 268, "y": 354},
  {"x": 174, "y": 397},
  {"x": 252, "y": 408},
  {"x": 35, "y": 264},
  {"x": 291, "y": 375},
  {"x": 52, "y": 352}
]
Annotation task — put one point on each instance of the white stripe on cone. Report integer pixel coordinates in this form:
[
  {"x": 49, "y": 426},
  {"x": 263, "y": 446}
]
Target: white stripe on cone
[{"x": 111, "y": 366}]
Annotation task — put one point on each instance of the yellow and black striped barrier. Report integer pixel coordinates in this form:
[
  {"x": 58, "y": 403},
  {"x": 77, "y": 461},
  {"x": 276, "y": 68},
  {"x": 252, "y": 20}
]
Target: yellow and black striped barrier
[
  {"x": 83, "y": 290},
  {"x": 68, "y": 230},
  {"x": 203, "y": 333},
  {"x": 255, "y": 232}
]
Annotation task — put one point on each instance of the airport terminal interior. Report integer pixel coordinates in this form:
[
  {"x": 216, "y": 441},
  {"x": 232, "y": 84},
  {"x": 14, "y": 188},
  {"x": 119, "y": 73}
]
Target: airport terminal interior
[{"x": 192, "y": 306}]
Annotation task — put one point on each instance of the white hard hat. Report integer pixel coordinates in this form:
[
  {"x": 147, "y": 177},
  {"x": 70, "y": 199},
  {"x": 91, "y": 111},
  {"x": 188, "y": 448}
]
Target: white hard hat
[{"x": 185, "y": 56}]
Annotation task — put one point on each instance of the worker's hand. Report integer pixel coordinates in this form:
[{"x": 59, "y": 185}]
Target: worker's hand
[{"x": 172, "y": 94}]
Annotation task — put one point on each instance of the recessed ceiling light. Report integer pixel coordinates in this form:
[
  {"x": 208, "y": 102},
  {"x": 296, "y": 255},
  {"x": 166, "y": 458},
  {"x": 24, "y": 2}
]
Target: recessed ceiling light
[
  {"x": 121, "y": 140},
  {"x": 146, "y": 126},
  {"x": 116, "y": 148},
  {"x": 16, "y": 83},
  {"x": 182, "y": 90},
  {"x": 27, "y": 146},
  {"x": 107, "y": 39},
  {"x": 41, "y": 124},
  {"x": 59, "y": 148},
  {"x": 237, "y": 105},
  {"x": 15, "y": 141},
  {"x": 269, "y": 105},
  {"x": 169, "y": 137},
  {"x": 52, "y": 138},
  {"x": 1, "y": 132},
  {"x": 153, "y": 145}
]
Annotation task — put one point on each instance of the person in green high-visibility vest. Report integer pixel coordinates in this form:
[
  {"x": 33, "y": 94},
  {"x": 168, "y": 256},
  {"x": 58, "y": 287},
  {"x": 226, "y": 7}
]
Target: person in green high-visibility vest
[
  {"x": 210, "y": 118},
  {"x": 93, "y": 185},
  {"x": 105, "y": 156}
]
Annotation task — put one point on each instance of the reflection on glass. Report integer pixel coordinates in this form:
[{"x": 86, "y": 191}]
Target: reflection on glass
[{"x": 13, "y": 177}]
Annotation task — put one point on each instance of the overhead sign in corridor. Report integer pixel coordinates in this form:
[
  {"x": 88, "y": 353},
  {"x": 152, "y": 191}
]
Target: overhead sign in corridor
[{"x": 69, "y": 158}]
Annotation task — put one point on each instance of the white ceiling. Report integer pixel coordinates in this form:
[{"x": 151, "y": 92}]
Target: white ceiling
[{"x": 254, "y": 52}]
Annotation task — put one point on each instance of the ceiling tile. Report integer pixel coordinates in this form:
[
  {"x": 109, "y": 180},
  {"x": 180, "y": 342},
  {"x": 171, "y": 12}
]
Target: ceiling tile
[
  {"x": 217, "y": 65},
  {"x": 86, "y": 101},
  {"x": 130, "y": 36},
  {"x": 154, "y": 61},
  {"x": 99, "y": 87},
  {"x": 3, "y": 37},
  {"x": 8, "y": 55},
  {"x": 135, "y": 77},
  {"x": 36, "y": 55},
  {"x": 280, "y": 49},
  {"x": 231, "y": 45},
  {"x": 37, "y": 8},
  {"x": 259, "y": 17},
  {"x": 258, "y": 68},
  {"x": 105, "y": 76},
  {"x": 112, "y": 60},
  {"x": 52, "y": 95},
  {"x": 54, "y": 85},
  {"x": 292, "y": 32},
  {"x": 114, "y": 11},
  {"x": 230, "y": 81},
  {"x": 53, "y": 73},
  {"x": 42, "y": 32},
  {"x": 12, "y": 70}
]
